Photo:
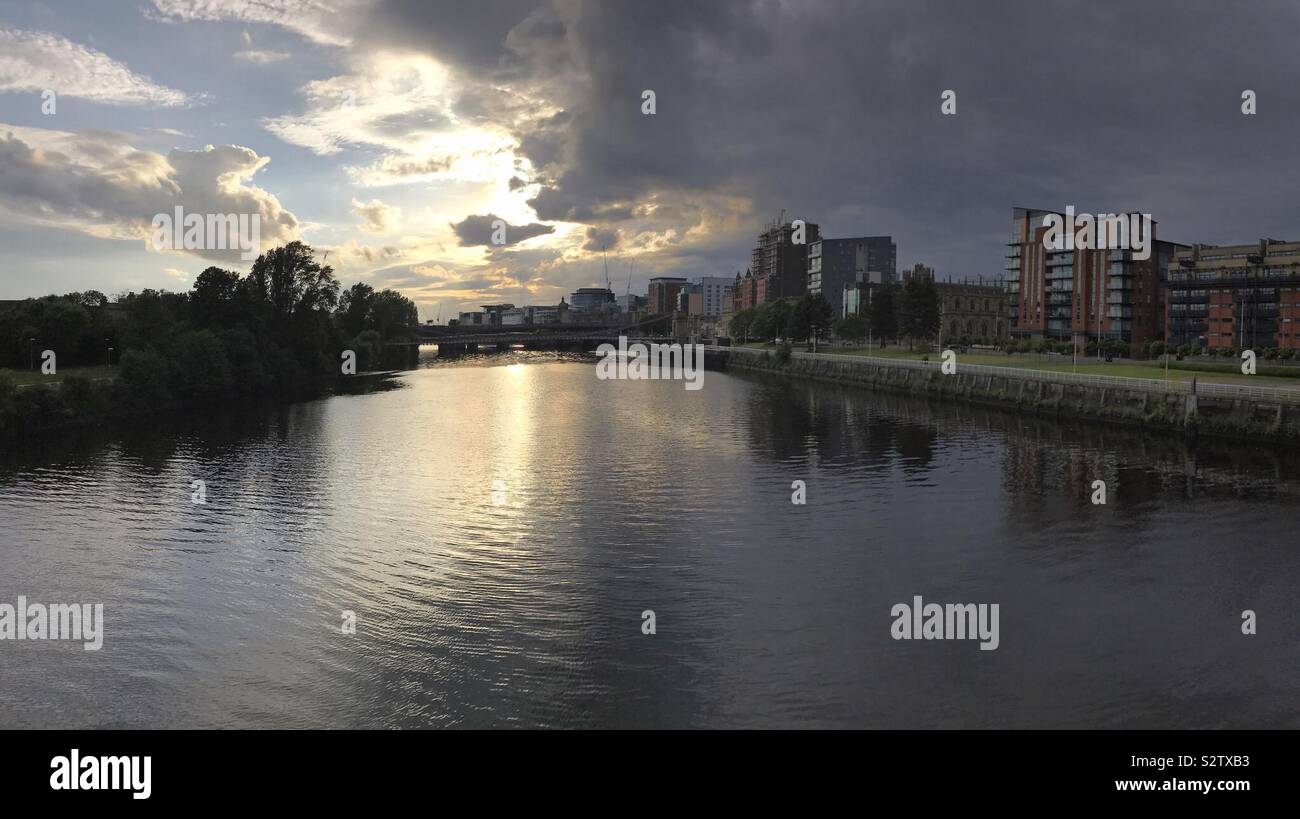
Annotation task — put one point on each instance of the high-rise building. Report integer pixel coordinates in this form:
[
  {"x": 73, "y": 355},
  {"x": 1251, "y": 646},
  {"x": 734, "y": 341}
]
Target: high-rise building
[
  {"x": 1084, "y": 294},
  {"x": 662, "y": 294},
  {"x": 1244, "y": 296},
  {"x": 835, "y": 263},
  {"x": 779, "y": 265}
]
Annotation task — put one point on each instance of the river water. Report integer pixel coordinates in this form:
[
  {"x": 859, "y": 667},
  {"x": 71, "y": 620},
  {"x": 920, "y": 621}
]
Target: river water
[{"x": 499, "y": 524}]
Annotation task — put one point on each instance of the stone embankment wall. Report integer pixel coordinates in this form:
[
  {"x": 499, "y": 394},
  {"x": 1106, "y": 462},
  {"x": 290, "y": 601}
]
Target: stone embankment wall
[{"x": 1244, "y": 415}]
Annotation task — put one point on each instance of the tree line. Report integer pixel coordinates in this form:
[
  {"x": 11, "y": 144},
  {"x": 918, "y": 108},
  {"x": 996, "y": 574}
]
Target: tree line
[
  {"x": 277, "y": 331},
  {"x": 909, "y": 311}
]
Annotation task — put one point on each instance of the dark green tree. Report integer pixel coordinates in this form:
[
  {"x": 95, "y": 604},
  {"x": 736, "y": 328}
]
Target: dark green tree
[
  {"x": 884, "y": 312},
  {"x": 354, "y": 308},
  {"x": 741, "y": 324},
  {"x": 919, "y": 314},
  {"x": 812, "y": 316}
]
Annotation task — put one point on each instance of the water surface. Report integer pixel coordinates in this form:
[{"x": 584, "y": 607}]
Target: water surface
[{"x": 498, "y": 525}]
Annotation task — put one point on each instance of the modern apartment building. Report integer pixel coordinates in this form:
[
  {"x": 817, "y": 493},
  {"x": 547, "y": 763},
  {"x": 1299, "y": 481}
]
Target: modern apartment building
[
  {"x": 1084, "y": 294},
  {"x": 1243, "y": 296},
  {"x": 781, "y": 266},
  {"x": 835, "y": 263}
]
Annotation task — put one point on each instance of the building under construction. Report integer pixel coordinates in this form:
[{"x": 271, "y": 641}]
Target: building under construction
[{"x": 780, "y": 267}]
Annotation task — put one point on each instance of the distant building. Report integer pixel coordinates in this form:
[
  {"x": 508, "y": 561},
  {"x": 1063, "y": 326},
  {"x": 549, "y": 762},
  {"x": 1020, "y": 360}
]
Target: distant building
[
  {"x": 835, "y": 263},
  {"x": 1244, "y": 296},
  {"x": 592, "y": 299},
  {"x": 855, "y": 298},
  {"x": 973, "y": 309},
  {"x": 631, "y": 302},
  {"x": 472, "y": 318},
  {"x": 492, "y": 313},
  {"x": 780, "y": 266},
  {"x": 918, "y": 269},
  {"x": 690, "y": 300},
  {"x": 714, "y": 291},
  {"x": 556, "y": 314},
  {"x": 744, "y": 292},
  {"x": 728, "y": 307},
  {"x": 662, "y": 296}
]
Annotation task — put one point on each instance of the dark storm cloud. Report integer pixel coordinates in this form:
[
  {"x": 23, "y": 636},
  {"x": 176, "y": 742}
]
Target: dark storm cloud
[
  {"x": 478, "y": 230},
  {"x": 831, "y": 111},
  {"x": 466, "y": 32}
]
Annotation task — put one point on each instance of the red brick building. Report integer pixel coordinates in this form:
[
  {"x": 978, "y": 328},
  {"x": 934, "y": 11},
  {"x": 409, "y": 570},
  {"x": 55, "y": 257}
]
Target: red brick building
[
  {"x": 1082, "y": 295},
  {"x": 1242, "y": 296}
]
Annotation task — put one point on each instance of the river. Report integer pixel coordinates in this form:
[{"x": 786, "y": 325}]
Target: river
[{"x": 498, "y": 525}]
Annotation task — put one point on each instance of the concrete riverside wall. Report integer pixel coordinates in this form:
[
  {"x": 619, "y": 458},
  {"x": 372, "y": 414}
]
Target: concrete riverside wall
[{"x": 1176, "y": 408}]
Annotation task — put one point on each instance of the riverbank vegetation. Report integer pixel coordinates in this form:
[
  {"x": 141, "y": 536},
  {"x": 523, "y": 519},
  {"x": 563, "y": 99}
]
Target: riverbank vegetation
[{"x": 277, "y": 332}]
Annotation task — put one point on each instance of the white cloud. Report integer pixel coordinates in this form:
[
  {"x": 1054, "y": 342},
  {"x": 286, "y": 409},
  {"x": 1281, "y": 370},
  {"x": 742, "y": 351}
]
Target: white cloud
[
  {"x": 258, "y": 57},
  {"x": 37, "y": 61},
  {"x": 378, "y": 217},
  {"x": 98, "y": 183},
  {"x": 328, "y": 22}
]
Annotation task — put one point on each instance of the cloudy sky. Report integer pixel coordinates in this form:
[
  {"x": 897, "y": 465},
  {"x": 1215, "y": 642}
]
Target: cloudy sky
[{"x": 393, "y": 132}]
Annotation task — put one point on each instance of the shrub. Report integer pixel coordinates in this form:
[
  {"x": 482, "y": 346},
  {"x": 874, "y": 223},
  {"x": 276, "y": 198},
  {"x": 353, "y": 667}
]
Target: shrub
[{"x": 783, "y": 351}]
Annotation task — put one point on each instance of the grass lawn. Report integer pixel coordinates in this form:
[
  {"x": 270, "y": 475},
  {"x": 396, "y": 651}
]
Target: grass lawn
[
  {"x": 26, "y": 377},
  {"x": 1063, "y": 364}
]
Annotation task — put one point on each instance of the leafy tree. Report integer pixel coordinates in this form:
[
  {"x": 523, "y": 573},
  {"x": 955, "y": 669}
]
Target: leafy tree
[
  {"x": 215, "y": 295},
  {"x": 919, "y": 315},
  {"x": 884, "y": 312},
  {"x": 772, "y": 320},
  {"x": 742, "y": 323},
  {"x": 393, "y": 316},
  {"x": 290, "y": 280},
  {"x": 354, "y": 308},
  {"x": 812, "y": 315}
]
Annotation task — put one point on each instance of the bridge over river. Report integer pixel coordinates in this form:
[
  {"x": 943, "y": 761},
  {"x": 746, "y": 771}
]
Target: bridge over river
[{"x": 531, "y": 337}]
